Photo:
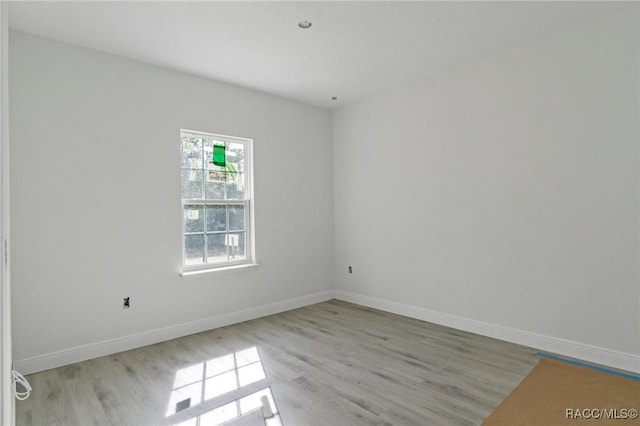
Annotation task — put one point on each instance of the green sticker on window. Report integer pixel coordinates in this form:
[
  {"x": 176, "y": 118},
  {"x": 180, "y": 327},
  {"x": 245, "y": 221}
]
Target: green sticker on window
[{"x": 219, "y": 156}]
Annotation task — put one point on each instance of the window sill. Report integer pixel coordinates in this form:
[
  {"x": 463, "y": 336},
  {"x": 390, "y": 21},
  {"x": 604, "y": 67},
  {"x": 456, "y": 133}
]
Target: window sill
[{"x": 201, "y": 273}]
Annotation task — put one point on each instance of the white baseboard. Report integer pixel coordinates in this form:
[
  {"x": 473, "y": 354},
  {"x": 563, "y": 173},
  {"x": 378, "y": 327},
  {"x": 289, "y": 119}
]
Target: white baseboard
[
  {"x": 569, "y": 348},
  {"x": 565, "y": 347},
  {"x": 98, "y": 349}
]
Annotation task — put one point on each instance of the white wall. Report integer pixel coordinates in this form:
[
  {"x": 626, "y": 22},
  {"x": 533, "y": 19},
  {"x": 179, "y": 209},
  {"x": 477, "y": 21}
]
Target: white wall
[
  {"x": 96, "y": 201},
  {"x": 502, "y": 196},
  {"x": 504, "y": 193}
]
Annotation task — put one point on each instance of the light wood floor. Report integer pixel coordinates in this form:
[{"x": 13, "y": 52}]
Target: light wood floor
[{"x": 333, "y": 363}]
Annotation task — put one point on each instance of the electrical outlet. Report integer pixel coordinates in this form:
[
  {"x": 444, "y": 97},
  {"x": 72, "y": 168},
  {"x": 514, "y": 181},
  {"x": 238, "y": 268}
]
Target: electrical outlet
[
  {"x": 350, "y": 270},
  {"x": 125, "y": 303}
]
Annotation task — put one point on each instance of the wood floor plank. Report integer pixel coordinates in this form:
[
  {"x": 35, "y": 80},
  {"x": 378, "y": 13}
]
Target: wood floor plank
[{"x": 332, "y": 363}]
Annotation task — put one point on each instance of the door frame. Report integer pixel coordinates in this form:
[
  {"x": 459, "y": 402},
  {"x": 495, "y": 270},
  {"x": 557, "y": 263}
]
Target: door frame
[{"x": 7, "y": 400}]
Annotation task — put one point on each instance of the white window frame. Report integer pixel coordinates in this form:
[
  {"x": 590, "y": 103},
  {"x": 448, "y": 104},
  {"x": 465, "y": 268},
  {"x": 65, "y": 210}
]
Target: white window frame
[{"x": 247, "y": 202}]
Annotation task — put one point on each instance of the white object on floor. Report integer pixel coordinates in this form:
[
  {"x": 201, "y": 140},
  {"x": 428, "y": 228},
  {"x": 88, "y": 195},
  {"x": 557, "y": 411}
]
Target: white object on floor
[{"x": 19, "y": 378}]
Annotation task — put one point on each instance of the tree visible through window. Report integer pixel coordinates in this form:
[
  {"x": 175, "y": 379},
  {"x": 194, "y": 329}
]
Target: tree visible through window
[{"x": 216, "y": 200}]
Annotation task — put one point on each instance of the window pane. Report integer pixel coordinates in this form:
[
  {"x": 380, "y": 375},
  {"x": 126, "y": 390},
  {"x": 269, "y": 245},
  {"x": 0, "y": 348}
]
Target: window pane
[
  {"x": 207, "y": 147},
  {"x": 191, "y": 152},
  {"x": 236, "y": 218},
  {"x": 208, "y": 144},
  {"x": 194, "y": 249},
  {"x": 216, "y": 218},
  {"x": 214, "y": 187},
  {"x": 193, "y": 218},
  {"x": 236, "y": 186},
  {"x": 235, "y": 170},
  {"x": 216, "y": 250},
  {"x": 191, "y": 183},
  {"x": 235, "y": 154},
  {"x": 235, "y": 241}
]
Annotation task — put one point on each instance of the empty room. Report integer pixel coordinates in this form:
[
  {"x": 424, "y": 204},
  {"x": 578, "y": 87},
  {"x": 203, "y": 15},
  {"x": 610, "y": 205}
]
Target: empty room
[{"x": 320, "y": 213}]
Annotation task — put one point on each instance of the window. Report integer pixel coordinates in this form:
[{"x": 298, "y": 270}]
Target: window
[{"x": 216, "y": 201}]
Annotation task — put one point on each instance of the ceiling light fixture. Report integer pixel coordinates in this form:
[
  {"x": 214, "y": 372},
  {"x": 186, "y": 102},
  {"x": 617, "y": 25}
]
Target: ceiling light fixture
[{"x": 304, "y": 24}]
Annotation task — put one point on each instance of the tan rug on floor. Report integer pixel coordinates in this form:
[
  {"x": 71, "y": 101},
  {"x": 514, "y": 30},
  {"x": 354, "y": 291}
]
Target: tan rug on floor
[{"x": 558, "y": 393}]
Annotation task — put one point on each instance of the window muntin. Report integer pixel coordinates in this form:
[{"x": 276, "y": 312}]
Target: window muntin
[{"x": 216, "y": 200}]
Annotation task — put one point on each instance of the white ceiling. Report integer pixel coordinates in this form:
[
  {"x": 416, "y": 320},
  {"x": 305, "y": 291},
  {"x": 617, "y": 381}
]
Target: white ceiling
[{"x": 353, "y": 49}]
